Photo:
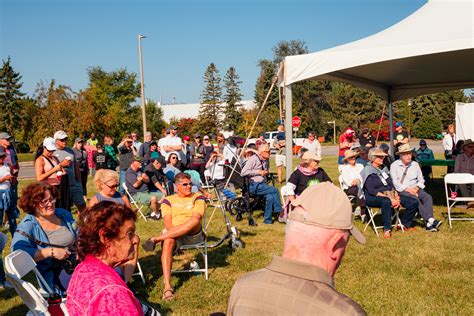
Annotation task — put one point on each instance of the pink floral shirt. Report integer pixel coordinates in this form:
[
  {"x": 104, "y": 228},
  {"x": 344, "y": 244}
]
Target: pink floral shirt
[{"x": 97, "y": 289}]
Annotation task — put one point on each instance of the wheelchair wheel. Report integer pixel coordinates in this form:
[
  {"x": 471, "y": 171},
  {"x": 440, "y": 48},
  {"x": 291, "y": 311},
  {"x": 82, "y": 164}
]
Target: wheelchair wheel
[{"x": 236, "y": 244}]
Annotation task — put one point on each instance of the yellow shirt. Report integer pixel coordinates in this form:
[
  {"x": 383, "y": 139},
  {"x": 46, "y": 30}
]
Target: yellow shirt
[{"x": 181, "y": 209}]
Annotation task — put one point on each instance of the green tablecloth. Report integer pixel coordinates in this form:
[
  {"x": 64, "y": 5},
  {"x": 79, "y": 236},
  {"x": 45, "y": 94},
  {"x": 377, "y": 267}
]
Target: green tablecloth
[{"x": 437, "y": 162}]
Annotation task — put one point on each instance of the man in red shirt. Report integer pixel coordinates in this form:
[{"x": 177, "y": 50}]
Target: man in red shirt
[{"x": 346, "y": 141}]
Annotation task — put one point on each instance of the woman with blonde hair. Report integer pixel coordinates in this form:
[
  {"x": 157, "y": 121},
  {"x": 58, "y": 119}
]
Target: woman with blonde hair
[{"x": 106, "y": 183}]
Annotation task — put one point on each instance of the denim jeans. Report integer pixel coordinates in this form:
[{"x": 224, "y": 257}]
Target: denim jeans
[
  {"x": 272, "y": 199},
  {"x": 386, "y": 206},
  {"x": 122, "y": 181}
]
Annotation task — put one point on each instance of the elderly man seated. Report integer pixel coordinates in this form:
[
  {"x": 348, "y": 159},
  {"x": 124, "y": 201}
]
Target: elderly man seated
[
  {"x": 182, "y": 215},
  {"x": 256, "y": 168},
  {"x": 409, "y": 182},
  {"x": 465, "y": 164},
  {"x": 137, "y": 184}
]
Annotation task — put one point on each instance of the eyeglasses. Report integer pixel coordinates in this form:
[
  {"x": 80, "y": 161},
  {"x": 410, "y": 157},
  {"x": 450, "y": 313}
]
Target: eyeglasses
[
  {"x": 174, "y": 158},
  {"x": 50, "y": 201},
  {"x": 63, "y": 140},
  {"x": 112, "y": 187},
  {"x": 134, "y": 135},
  {"x": 187, "y": 184}
]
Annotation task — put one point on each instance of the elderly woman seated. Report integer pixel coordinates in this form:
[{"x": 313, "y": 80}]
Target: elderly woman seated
[
  {"x": 47, "y": 234},
  {"x": 107, "y": 239},
  {"x": 106, "y": 183},
  {"x": 351, "y": 178},
  {"x": 379, "y": 191},
  {"x": 307, "y": 173}
]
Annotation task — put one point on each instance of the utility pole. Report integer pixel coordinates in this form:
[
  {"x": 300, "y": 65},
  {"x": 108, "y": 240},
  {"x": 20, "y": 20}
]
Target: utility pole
[{"x": 142, "y": 83}]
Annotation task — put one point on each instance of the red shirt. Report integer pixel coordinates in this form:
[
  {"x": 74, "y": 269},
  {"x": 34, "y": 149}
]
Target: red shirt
[{"x": 345, "y": 138}]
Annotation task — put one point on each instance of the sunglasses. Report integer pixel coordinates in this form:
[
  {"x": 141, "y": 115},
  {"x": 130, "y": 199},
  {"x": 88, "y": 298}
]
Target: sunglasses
[
  {"x": 187, "y": 184},
  {"x": 174, "y": 158},
  {"x": 63, "y": 140},
  {"x": 112, "y": 187}
]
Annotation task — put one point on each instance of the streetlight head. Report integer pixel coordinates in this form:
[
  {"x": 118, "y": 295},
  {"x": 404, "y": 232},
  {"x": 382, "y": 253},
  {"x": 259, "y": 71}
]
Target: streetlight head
[{"x": 141, "y": 36}]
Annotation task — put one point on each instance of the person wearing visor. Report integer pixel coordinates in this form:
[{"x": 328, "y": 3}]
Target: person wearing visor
[
  {"x": 73, "y": 172},
  {"x": 316, "y": 238}
]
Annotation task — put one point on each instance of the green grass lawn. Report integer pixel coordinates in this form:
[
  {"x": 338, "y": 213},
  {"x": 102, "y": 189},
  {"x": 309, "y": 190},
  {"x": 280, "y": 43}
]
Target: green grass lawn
[{"x": 412, "y": 273}]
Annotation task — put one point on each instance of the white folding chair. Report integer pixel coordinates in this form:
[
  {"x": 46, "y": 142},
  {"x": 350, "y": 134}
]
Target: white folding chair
[
  {"x": 139, "y": 272},
  {"x": 372, "y": 214},
  {"x": 457, "y": 179},
  {"x": 18, "y": 264},
  {"x": 133, "y": 202},
  {"x": 29, "y": 295},
  {"x": 351, "y": 197}
]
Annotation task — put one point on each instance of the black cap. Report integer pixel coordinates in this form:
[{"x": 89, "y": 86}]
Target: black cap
[
  {"x": 422, "y": 142},
  {"x": 160, "y": 160}
]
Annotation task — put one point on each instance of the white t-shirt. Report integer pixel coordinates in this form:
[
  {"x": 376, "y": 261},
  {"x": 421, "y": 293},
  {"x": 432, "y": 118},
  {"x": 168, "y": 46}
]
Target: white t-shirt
[
  {"x": 170, "y": 141},
  {"x": 4, "y": 171},
  {"x": 314, "y": 147},
  {"x": 350, "y": 173}
]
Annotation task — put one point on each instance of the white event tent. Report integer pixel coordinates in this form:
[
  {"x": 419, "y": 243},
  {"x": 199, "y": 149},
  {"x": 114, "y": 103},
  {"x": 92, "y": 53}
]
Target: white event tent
[{"x": 432, "y": 50}]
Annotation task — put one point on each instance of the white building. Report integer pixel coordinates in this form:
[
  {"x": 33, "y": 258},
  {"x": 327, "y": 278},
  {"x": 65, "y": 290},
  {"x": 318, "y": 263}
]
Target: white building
[{"x": 191, "y": 110}]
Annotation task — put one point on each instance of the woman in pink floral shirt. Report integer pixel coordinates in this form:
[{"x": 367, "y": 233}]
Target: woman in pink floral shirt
[{"x": 106, "y": 240}]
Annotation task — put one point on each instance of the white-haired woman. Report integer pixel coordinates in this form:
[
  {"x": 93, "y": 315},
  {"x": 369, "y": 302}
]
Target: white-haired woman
[{"x": 106, "y": 182}]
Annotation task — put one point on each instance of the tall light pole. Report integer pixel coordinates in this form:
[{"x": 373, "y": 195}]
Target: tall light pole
[
  {"x": 142, "y": 83},
  {"x": 410, "y": 103},
  {"x": 334, "y": 130}
]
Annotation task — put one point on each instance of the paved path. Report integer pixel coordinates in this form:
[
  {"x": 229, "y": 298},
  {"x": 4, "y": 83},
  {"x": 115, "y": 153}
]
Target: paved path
[{"x": 27, "y": 169}]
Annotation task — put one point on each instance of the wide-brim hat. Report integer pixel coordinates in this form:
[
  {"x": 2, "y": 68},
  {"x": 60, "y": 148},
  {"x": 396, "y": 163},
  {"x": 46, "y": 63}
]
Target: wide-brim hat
[
  {"x": 405, "y": 148},
  {"x": 311, "y": 155},
  {"x": 348, "y": 154},
  {"x": 467, "y": 142}
]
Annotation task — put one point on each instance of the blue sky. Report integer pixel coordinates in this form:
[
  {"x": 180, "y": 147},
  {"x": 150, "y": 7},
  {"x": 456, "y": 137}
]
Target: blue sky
[{"x": 60, "y": 39}]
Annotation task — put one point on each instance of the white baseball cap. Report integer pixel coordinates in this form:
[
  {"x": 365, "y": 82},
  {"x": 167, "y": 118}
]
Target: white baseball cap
[
  {"x": 60, "y": 135},
  {"x": 49, "y": 143}
]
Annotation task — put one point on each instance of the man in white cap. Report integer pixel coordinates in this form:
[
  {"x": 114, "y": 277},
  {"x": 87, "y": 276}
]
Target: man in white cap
[
  {"x": 72, "y": 169},
  {"x": 300, "y": 282}
]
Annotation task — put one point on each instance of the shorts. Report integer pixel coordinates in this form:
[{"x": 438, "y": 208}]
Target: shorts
[
  {"x": 187, "y": 240},
  {"x": 76, "y": 194},
  {"x": 145, "y": 197},
  {"x": 280, "y": 160}
]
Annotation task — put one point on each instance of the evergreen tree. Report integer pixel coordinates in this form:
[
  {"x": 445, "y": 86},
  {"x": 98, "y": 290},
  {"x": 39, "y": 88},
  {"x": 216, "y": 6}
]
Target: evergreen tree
[
  {"x": 10, "y": 95},
  {"x": 232, "y": 99},
  {"x": 209, "y": 112}
]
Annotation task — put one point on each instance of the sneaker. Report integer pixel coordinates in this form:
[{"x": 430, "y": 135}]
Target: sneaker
[
  {"x": 364, "y": 218},
  {"x": 387, "y": 234},
  {"x": 437, "y": 224},
  {"x": 155, "y": 217},
  {"x": 357, "y": 211},
  {"x": 431, "y": 228}
]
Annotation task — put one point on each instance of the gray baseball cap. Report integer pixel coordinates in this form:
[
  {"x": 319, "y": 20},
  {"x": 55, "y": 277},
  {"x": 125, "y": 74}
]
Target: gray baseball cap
[{"x": 4, "y": 135}]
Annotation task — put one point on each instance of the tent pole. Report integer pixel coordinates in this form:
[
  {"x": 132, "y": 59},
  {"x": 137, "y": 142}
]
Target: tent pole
[
  {"x": 390, "y": 121},
  {"x": 288, "y": 131}
]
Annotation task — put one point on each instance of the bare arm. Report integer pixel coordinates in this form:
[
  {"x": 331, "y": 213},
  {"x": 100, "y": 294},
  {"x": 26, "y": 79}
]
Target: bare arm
[{"x": 39, "y": 170}]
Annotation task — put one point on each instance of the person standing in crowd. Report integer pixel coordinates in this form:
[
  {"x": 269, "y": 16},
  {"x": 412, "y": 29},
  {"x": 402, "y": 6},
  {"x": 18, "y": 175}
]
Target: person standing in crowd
[
  {"x": 3, "y": 282},
  {"x": 257, "y": 168},
  {"x": 465, "y": 164},
  {"x": 198, "y": 154},
  {"x": 208, "y": 147},
  {"x": 280, "y": 157},
  {"x": 311, "y": 143},
  {"x": 136, "y": 142},
  {"x": 316, "y": 238},
  {"x": 72, "y": 170},
  {"x": 92, "y": 141},
  {"x": 409, "y": 182},
  {"x": 400, "y": 137},
  {"x": 187, "y": 150},
  {"x": 127, "y": 153},
  {"x": 100, "y": 158},
  {"x": 49, "y": 169},
  {"x": 424, "y": 153},
  {"x": 449, "y": 144},
  {"x": 366, "y": 139},
  {"x": 221, "y": 142},
  {"x": 346, "y": 141},
  {"x": 81, "y": 158},
  {"x": 144, "y": 151},
  {"x": 153, "y": 153},
  {"x": 387, "y": 161},
  {"x": 110, "y": 150},
  {"x": 171, "y": 143},
  {"x": 11, "y": 160},
  {"x": 260, "y": 140},
  {"x": 6, "y": 201}
]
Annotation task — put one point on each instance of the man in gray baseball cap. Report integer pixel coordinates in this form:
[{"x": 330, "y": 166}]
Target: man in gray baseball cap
[{"x": 316, "y": 237}]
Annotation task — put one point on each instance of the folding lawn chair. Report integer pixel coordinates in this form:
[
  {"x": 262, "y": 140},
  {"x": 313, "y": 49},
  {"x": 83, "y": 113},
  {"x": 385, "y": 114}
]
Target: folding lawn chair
[
  {"x": 372, "y": 214},
  {"x": 133, "y": 202},
  {"x": 457, "y": 179},
  {"x": 18, "y": 264},
  {"x": 139, "y": 272},
  {"x": 351, "y": 197}
]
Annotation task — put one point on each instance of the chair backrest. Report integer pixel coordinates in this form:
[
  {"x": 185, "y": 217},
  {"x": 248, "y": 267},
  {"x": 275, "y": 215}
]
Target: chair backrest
[
  {"x": 459, "y": 178},
  {"x": 340, "y": 182},
  {"x": 20, "y": 263},
  {"x": 30, "y": 296},
  {"x": 195, "y": 178}
]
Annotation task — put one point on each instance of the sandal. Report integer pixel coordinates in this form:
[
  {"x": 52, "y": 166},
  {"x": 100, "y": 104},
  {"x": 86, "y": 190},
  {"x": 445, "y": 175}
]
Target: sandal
[{"x": 168, "y": 294}]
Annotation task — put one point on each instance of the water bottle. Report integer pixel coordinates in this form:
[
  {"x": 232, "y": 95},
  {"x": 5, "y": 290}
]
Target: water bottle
[{"x": 194, "y": 266}]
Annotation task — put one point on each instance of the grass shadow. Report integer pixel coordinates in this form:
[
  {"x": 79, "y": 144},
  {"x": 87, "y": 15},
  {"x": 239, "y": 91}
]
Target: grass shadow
[{"x": 17, "y": 310}]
